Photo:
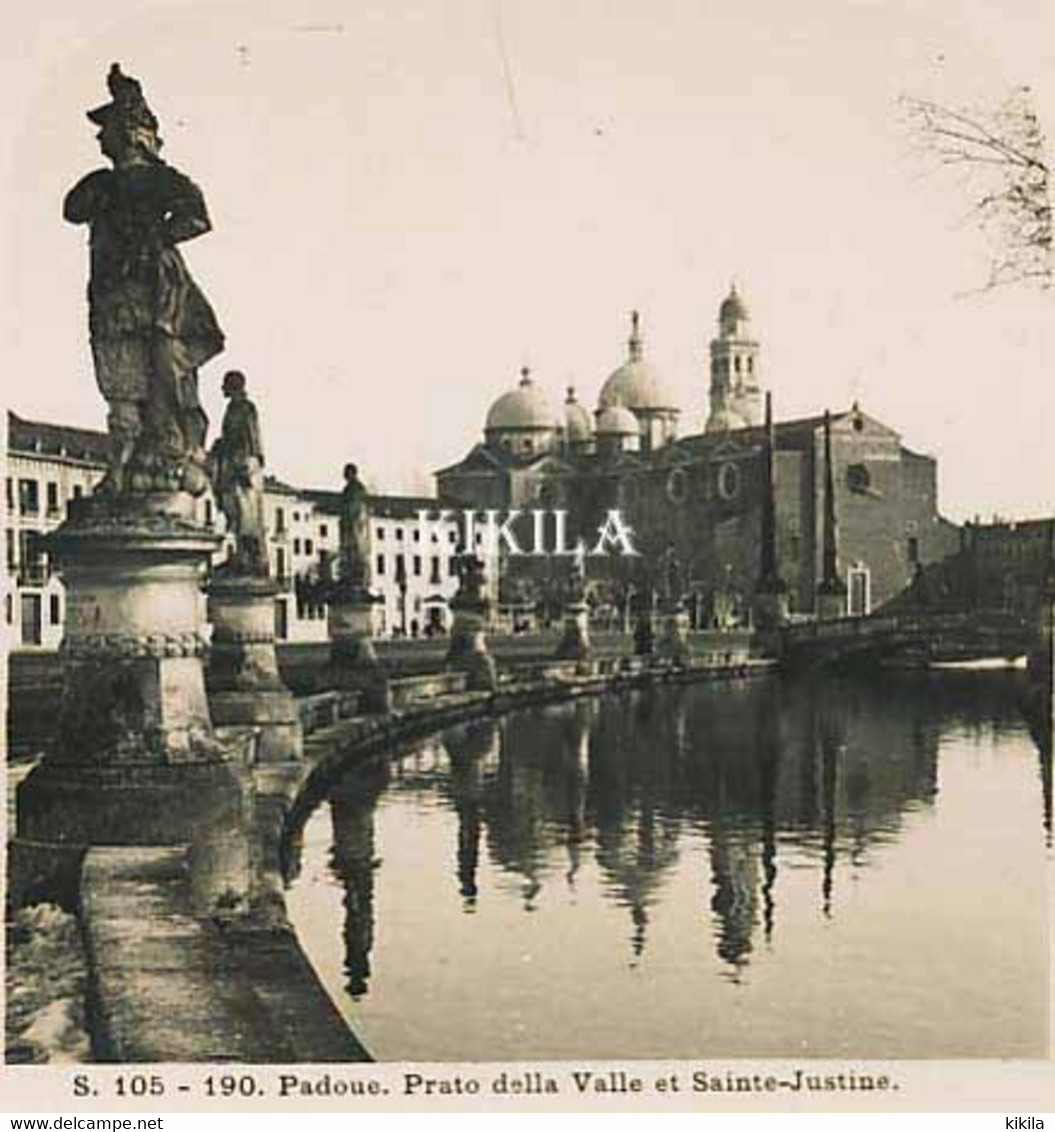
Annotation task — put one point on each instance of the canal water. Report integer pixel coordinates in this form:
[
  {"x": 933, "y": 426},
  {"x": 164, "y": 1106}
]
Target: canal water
[{"x": 753, "y": 869}]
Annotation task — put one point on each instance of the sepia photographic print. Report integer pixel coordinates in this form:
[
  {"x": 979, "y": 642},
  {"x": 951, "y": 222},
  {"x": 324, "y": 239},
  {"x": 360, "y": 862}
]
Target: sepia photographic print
[{"x": 530, "y": 555}]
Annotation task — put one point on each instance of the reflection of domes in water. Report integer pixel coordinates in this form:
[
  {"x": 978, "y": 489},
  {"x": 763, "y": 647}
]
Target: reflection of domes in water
[{"x": 525, "y": 407}]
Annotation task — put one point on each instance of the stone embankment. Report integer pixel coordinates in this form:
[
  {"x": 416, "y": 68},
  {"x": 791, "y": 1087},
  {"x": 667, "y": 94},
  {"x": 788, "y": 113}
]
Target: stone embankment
[{"x": 238, "y": 987}]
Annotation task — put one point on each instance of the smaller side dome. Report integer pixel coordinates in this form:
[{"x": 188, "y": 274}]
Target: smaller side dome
[
  {"x": 617, "y": 420},
  {"x": 577, "y": 423}
]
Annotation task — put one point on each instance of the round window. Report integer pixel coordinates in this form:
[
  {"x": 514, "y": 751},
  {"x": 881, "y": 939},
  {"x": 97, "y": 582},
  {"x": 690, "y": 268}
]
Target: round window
[
  {"x": 729, "y": 481},
  {"x": 678, "y": 486}
]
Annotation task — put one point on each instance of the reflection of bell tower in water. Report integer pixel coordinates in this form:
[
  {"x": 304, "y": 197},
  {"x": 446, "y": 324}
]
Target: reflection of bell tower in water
[
  {"x": 744, "y": 854},
  {"x": 468, "y": 748},
  {"x": 353, "y": 862}
]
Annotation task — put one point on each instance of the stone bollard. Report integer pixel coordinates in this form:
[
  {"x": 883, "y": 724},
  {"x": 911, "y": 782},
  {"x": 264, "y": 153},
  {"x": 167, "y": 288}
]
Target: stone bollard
[
  {"x": 244, "y": 684},
  {"x": 354, "y": 664},
  {"x": 468, "y": 650},
  {"x": 673, "y": 643},
  {"x": 575, "y": 636}
]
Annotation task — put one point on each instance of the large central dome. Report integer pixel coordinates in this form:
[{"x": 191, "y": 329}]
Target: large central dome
[{"x": 635, "y": 384}]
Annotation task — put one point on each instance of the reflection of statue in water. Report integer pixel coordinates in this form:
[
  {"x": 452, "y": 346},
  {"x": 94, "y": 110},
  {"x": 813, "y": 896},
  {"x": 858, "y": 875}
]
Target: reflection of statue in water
[
  {"x": 237, "y": 468},
  {"x": 355, "y": 529},
  {"x": 151, "y": 327}
]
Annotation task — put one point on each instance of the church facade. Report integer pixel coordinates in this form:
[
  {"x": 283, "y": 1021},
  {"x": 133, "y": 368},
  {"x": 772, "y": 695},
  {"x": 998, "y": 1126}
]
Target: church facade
[{"x": 697, "y": 503}]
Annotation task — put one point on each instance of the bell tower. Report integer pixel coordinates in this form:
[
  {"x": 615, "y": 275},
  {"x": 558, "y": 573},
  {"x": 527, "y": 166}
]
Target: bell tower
[{"x": 736, "y": 398}]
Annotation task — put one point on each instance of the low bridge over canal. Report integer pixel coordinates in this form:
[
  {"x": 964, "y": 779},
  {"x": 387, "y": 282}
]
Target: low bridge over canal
[{"x": 910, "y": 638}]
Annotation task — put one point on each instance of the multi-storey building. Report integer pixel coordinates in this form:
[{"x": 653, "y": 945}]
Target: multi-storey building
[{"x": 49, "y": 465}]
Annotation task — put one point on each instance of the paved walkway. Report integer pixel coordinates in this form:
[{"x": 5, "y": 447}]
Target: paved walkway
[{"x": 173, "y": 987}]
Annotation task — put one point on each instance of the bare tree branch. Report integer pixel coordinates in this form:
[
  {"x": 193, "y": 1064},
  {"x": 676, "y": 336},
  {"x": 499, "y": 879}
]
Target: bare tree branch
[{"x": 1001, "y": 153}]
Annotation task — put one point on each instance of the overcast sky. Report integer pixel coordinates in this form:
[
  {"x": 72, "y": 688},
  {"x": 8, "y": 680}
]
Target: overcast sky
[{"x": 413, "y": 199}]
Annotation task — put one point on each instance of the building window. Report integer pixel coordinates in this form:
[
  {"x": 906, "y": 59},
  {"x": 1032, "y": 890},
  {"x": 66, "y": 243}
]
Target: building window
[
  {"x": 417, "y": 565},
  {"x": 10, "y": 494},
  {"x": 678, "y": 485},
  {"x": 296, "y": 516},
  {"x": 54, "y": 609},
  {"x": 858, "y": 479},
  {"x": 913, "y": 549},
  {"x": 208, "y": 511},
  {"x": 324, "y": 531},
  {"x": 9, "y": 609},
  {"x": 434, "y": 576},
  {"x": 728, "y": 481},
  {"x": 12, "y": 556},
  {"x": 416, "y": 535},
  {"x": 280, "y": 521},
  {"x": 381, "y": 533},
  {"x": 296, "y": 546},
  {"x": 380, "y": 564},
  {"x": 452, "y": 537},
  {"x": 29, "y": 497},
  {"x": 399, "y": 534},
  {"x": 53, "y": 498},
  {"x": 309, "y": 546}
]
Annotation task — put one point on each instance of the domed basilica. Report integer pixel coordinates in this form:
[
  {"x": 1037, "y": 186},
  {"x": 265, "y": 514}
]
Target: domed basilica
[{"x": 697, "y": 504}]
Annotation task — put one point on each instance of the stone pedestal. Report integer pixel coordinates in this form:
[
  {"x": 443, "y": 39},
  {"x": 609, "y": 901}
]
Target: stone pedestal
[
  {"x": 468, "y": 650},
  {"x": 673, "y": 643},
  {"x": 354, "y": 663},
  {"x": 831, "y": 602},
  {"x": 244, "y": 685},
  {"x": 135, "y": 761},
  {"x": 769, "y": 609},
  {"x": 575, "y": 636}
]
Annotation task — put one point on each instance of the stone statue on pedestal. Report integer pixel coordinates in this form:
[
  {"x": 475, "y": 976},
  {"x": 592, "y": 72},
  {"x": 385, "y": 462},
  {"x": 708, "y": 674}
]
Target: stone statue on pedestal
[
  {"x": 236, "y": 464},
  {"x": 471, "y": 580},
  {"x": 355, "y": 530},
  {"x": 673, "y": 577},
  {"x": 151, "y": 327}
]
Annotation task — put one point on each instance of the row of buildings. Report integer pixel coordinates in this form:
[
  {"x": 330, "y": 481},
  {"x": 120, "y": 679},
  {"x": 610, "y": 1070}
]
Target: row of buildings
[
  {"x": 49, "y": 465},
  {"x": 695, "y": 504}
]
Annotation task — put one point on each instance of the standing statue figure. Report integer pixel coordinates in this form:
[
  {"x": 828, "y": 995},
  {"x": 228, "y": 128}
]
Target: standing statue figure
[
  {"x": 471, "y": 577},
  {"x": 355, "y": 530},
  {"x": 673, "y": 576},
  {"x": 150, "y": 325},
  {"x": 577, "y": 574},
  {"x": 237, "y": 471}
]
